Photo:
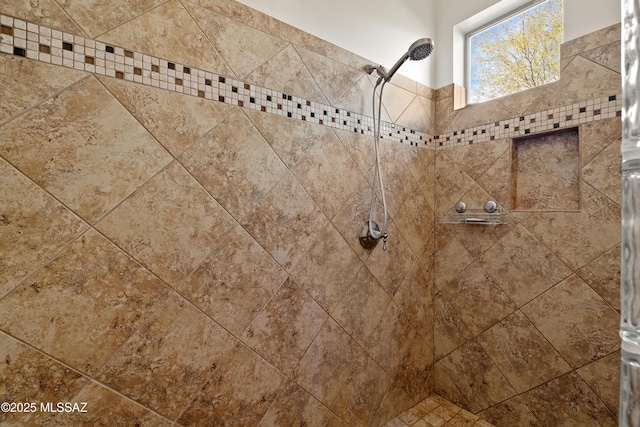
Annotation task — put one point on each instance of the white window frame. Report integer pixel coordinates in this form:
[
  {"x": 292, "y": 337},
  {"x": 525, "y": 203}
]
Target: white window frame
[{"x": 502, "y": 10}]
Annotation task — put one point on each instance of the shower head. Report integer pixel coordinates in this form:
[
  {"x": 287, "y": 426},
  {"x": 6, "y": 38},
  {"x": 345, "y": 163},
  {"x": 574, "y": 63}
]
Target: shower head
[{"x": 419, "y": 50}]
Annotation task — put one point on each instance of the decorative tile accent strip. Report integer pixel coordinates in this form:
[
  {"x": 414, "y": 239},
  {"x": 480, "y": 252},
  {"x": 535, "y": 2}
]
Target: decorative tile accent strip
[
  {"x": 556, "y": 118},
  {"x": 21, "y": 38}
]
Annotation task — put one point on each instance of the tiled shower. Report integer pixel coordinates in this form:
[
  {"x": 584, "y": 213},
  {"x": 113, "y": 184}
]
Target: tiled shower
[{"x": 182, "y": 185}]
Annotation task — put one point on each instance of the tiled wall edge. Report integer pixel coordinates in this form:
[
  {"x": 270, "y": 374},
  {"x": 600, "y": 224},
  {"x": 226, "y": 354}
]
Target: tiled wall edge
[{"x": 40, "y": 43}]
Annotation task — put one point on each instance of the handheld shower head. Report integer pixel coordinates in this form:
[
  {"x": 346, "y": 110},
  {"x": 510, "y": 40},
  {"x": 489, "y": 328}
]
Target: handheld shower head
[{"x": 419, "y": 50}]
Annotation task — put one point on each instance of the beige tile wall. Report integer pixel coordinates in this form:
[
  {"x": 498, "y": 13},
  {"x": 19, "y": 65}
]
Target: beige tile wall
[
  {"x": 175, "y": 259},
  {"x": 171, "y": 259},
  {"x": 527, "y": 313}
]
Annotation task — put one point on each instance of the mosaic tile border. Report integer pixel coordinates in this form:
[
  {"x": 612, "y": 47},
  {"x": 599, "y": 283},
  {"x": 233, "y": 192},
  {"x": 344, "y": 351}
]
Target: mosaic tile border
[
  {"x": 543, "y": 121},
  {"x": 37, "y": 42}
]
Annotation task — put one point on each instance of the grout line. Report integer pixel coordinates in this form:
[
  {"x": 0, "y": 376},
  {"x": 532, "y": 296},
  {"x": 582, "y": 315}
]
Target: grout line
[{"x": 40, "y": 43}]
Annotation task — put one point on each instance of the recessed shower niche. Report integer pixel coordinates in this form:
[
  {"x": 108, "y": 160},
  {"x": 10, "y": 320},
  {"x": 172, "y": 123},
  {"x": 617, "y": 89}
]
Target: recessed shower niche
[{"x": 545, "y": 172}]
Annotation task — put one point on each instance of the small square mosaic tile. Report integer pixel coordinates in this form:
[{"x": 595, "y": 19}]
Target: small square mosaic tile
[
  {"x": 40, "y": 43},
  {"x": 435, "y": 411},
  {"x": 21, "y": 38}
]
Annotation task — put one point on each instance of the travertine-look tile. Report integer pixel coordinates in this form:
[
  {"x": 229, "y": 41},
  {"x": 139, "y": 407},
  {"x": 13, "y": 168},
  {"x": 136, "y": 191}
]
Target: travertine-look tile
[
  {"x": 294, "y": 405},
  {"x": 326, "y": 271},
  {"x": 415, "y": 298},
  {"x": 415, "y": 374},
  {"x": 353, "y": 215},
  {"x": 391, "y": 340},
  {"x": 568, "y": 401},
  {"x": 44, "y": 12},
  {"x": 480, "y": 114},
  {"x": 581, "y": 80},
  {"x": 333, "y": 77},
  {"x": 520, "y": 102},
  {"x": 361, "y": 149},
  {"x": 235, "y": 164},
  {"x": 169, "y": 358},
  {"x": 301, "y": 136},
  {"x": 242, "y": 13},
  {"x": 98, "y": 16},
  {"x": 603, "y": 172},
  {"x": 359, "y": 99},
  {"x": 34, "y": 226},
  {"x": 20, "y": 366},
  {"x": 449, "y": 331},
  {"x": 188, "y": 45},
  {"x": 285, "y": 72},
  {"x": 286, "y": 326},
  {"x": 591, "y": 41},
  {"x": 242, "y": 47},
  {"x": 496, "y": 180},
  {"x": 469, "y": 378},
  {"x": 416, "y": 117},
  {"x": 286, "y": 222},
  {"x": 84, "y": 148},
  {"x": 26, "y": 83},
  {"x": 522, "y": 266},
  {"x": 603, "y": 376},
  {"x": 397, "y": 179},
  {"x": 243, "y": 385},
  {"x": 576, "y": 321},
  {"x": 362, "y": 307},
  {"x": 169, "y": 225},
  {"x": 327, "y": 363},
  {"x": 603, "y": 275},
  {"x": 451, "y": 182},
  {"x": 421, "y": 163},
  {"x": 395, "y": 402},
  {"x": 477, "y": 299},
  {"x": 234, "y": 282},
  {"x": 83, "y": 305},
  {"x": 395, "y": 100},
  {"x": 451, "y": 257},
  {"x": 106, "y": 408},
  {"x": 415, "y": 219},
  {"x": 390, "y": 266},
  {"x": 546, "y": 172},
  {"x": 175, "y": 120},
  {"x": 363, "y": 391},
  {"x": 596, "y": 136},
  {"x": 328, "y": 174},
  {"x": 476, "y": 159},
  {"x": 579, "y": 237},
  {"x": 608, "y": 55},
  {"x": 528, "y": 360},
  {"x": 512, "y": 412}
]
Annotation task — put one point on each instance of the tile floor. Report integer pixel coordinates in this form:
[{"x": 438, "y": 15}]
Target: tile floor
[{"x": 435, "y": 411}]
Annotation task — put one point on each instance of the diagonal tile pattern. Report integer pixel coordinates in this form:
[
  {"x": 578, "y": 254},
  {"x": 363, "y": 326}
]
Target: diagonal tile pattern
[
  {"x": 284, "y": 245},
  {"x": 92, "y": 166},
  {"x": 34, "y": 227}
]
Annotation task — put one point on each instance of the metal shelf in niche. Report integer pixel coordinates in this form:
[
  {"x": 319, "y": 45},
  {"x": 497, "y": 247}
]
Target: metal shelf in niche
[{"x": 490, "y": 215}]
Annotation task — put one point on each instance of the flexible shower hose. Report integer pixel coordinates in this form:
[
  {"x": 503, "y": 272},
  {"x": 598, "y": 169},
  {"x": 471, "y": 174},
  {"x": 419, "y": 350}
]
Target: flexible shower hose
[{"x": 377, "y": 172}]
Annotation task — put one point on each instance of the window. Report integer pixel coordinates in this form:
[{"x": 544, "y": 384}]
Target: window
[{"x": 518, "y": 51}]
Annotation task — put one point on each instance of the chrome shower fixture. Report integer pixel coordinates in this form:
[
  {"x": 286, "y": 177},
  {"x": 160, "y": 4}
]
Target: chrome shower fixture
[
  {"x": 370, "y": 233},
  {"x": 419, "y": 50}
]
